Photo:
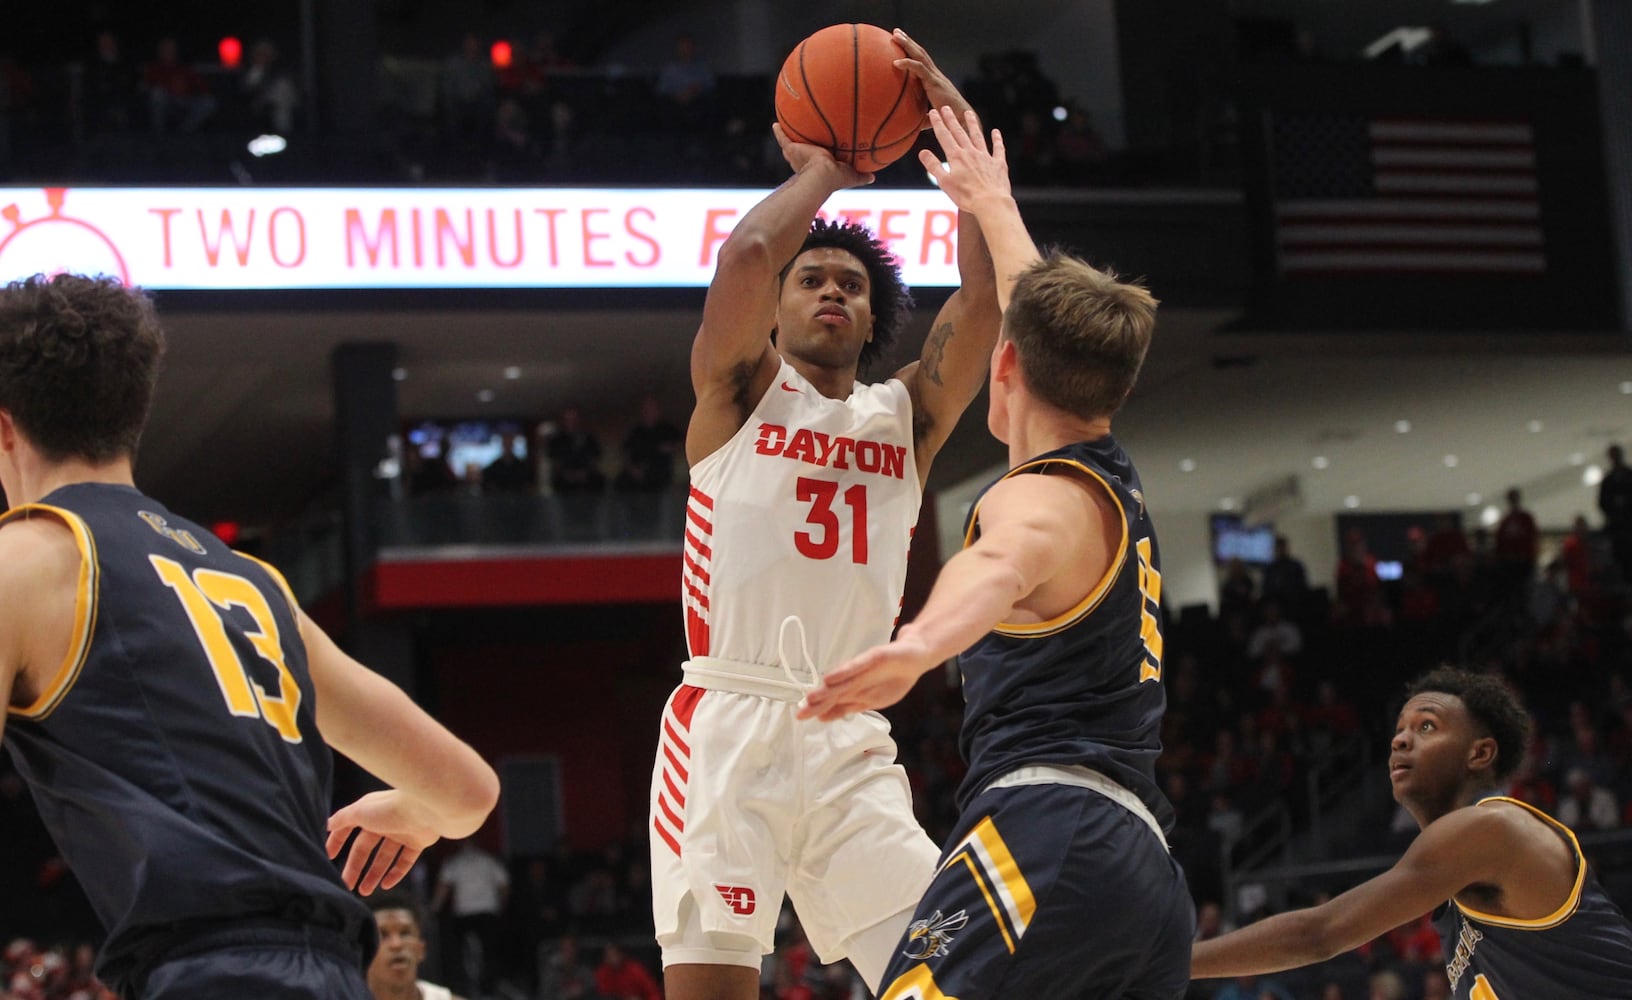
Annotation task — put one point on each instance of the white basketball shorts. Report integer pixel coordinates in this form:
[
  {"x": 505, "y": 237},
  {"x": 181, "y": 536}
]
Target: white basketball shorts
[{"x": 749, "y": 803}]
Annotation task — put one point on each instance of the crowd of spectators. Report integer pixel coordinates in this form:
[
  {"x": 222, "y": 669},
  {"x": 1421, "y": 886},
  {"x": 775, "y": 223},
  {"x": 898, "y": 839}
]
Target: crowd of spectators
[{"x": 517, "y": 110}]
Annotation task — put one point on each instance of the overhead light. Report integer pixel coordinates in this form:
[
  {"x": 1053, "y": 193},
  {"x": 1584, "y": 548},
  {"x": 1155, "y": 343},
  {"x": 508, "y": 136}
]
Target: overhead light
[
  {"x": 1320, "y": 461},
  {"x": 1402, "y": 426},
  {"x": 1592, "y": 475},
  {"x": 1576, "y": 458},
  {"x": 1626, "y": 388},
  {"x": 1489, "y": 516},
  {"x": 1226, "y": 503},
  {"x": 1450, "y": 461},
  {"x": 1187, "y": 465},
  {"x": 399, "y": 374},
  {"x": 1475, "y": 499},
  {"x": 512, "y": 372},
  {"x": 485, "y": 395},
  {"x": 1351, "y": 501},
  {"x": 1478, "y": 2},
  {"x": 1408, "y": 39},
  {"x": 267, "y": 145},
  {"x": 1534, "y": 426}
]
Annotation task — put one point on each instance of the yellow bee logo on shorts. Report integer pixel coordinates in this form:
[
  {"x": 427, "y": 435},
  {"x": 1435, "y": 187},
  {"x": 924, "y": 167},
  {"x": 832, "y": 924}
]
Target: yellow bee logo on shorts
[{"x": 932, "y": 937}]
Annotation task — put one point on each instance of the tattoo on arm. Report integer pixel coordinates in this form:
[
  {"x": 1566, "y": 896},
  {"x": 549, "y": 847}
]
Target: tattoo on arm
[{"x": 935, "y": 351}]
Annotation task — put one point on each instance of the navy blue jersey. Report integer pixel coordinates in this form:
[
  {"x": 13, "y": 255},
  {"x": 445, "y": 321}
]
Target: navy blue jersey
[
  {"x": 175, "y": 756},
  {"x": 1582, "y": 950},
  {"x": 1086, "y": 687}
]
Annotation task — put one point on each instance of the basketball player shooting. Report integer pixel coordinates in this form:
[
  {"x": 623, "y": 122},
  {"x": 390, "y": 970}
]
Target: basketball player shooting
[{"x": 805, "y": 486}]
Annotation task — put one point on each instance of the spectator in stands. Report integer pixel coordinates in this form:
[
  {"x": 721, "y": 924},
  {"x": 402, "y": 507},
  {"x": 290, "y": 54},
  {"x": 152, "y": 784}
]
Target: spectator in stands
[
  {"x": 1435, "y": 985},
  {"x": 1210, "y": 922},
  {"x": 1275, "y": 631},
  {"x": 620, "y": 977},
  {"x": 1615, "y": 501},
  {"x": 473, "y": 886},
  {"x": 685, "y": 85},
  {"x": 178, "y": 97},
  {"x": 1518, "y": 543},
  {"x": 564, "y": 976},
  {"x": 1586, "y": 805},
  {"x": 1578, "y": 557},
  {"x": 110, "y": 88},
  {"x": 1530, "y": 785},
  {"x": 513, "y": 471},
  {"x": 1386, "y": 984},
  {"x": 1286, "y": 581},
  {"x": 1236, "y": 592},
  {"x": 514, "y": 156},
  {"x": 649, "y": 451},
  {"x": 1080, "y": 153},
  {"x": 575, "y": 456},
  {"x": 466, "y": 93},
  {"x": 267, "y": 92},
  {"x": 1443, "y": 547},
  {"x": 427, "y": 470},
  {"x": 1359, "y": 591}
]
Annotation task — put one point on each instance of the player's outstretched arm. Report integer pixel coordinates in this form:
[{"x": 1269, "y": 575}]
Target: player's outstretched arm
[
  {"x": 440, "y": 787},
  {"x": 977, "y": 180},
  {"x": 732, "y": 360},
  {"x": 1460, "y": 849},
  {"x": 1023, "y": 520}
]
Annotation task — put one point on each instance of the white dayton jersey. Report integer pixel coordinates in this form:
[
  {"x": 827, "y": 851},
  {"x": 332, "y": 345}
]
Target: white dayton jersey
[{"x": 807, "y": 511}]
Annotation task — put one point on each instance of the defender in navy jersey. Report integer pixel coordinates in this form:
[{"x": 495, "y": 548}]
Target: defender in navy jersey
[
  {"x": 1057, "y": 882},
  {"x": 1518, "y": 912},
  {"x": 170, "y": 705}
]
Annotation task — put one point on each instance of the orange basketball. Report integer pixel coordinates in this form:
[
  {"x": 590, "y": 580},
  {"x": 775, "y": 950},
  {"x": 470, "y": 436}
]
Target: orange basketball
[{"x": 840, "y": 89}]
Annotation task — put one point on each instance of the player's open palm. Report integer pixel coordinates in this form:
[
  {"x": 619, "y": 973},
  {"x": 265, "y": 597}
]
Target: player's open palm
[
  {"x": 392, "y": 831},
  {"x": 972, "y": 171},
  {"x": 875, "y": 679}
]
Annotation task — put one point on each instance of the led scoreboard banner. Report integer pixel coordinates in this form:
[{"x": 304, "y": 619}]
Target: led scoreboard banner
[{"x": 258, "y": 239}]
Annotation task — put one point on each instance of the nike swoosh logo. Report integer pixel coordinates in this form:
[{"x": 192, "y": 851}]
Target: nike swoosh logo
[
  {"x": 788, "y": 388},
  {"x": 787, "y": 86}
]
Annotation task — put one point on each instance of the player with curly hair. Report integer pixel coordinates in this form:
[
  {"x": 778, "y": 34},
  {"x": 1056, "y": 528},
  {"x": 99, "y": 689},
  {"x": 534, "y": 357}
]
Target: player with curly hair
[{"x": 805, "y": 488}]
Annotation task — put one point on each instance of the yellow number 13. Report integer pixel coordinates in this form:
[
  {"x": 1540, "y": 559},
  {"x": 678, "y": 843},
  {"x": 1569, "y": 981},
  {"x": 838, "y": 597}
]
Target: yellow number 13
[{"x": 201, "y": 594}]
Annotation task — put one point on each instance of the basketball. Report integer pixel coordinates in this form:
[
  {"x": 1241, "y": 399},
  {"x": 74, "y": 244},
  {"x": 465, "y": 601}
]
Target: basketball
[{"x": 839, "y": 89}]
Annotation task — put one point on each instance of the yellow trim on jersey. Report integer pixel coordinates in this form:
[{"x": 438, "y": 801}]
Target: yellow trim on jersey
[
  {"x": 1572, "y": 901},
  {"x": 1038, "y": 630},
  {"x": 85, "y": 610},
  {"x": 277, "y": 577},
  {"x": 999, "y": 879},
  {"x": 917, "y": 983}
]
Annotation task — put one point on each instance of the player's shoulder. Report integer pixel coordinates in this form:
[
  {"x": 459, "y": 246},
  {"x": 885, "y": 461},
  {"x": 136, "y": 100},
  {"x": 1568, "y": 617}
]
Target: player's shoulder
[{"x": 36, "y": 551}]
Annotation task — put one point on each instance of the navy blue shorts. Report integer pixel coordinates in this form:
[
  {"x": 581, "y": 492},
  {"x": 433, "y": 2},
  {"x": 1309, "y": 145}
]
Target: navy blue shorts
[
  {"x": 266, "y": 963},
  {"x": 1048, "y": 891}
]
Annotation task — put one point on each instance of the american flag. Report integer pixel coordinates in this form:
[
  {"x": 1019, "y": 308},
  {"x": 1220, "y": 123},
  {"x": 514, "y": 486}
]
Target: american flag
[{"x": 1396, "y": 194}]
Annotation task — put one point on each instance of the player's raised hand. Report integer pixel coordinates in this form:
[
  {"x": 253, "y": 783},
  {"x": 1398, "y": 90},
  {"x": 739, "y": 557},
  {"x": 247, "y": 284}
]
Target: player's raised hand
[
  {"x": 971, "y": 171},
  {"x": 392, "y": 831},
  {"x": 940, "y": 90},
  {"x": 801, "y": 154},
  {"x": 877, "y": 678}
]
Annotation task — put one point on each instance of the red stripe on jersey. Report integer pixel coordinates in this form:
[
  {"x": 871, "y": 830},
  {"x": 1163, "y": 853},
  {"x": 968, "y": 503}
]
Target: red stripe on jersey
[
  {"x": 679, "y": 744},
  {"x": 698, "y": 520},
  {"x": 674, "y": 791},
  {"x": 679, "y": 768},
  {"x": 697, "y": 543},
  {"x": 696, "y": 633},
  {"x": 684, "y": 704},
  {"x": 668, "y": 838},
  {"x": 702, "y": 498},
  {"x": 697, "y": 595},
  {"x": 663, "y": 804},
  {"x": 696, "y": 570}
]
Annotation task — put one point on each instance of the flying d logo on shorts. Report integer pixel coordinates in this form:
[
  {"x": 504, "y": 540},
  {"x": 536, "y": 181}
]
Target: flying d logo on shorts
[
  {"x": 931, "y": 937},
  {"x": 739, "y": 897}
]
